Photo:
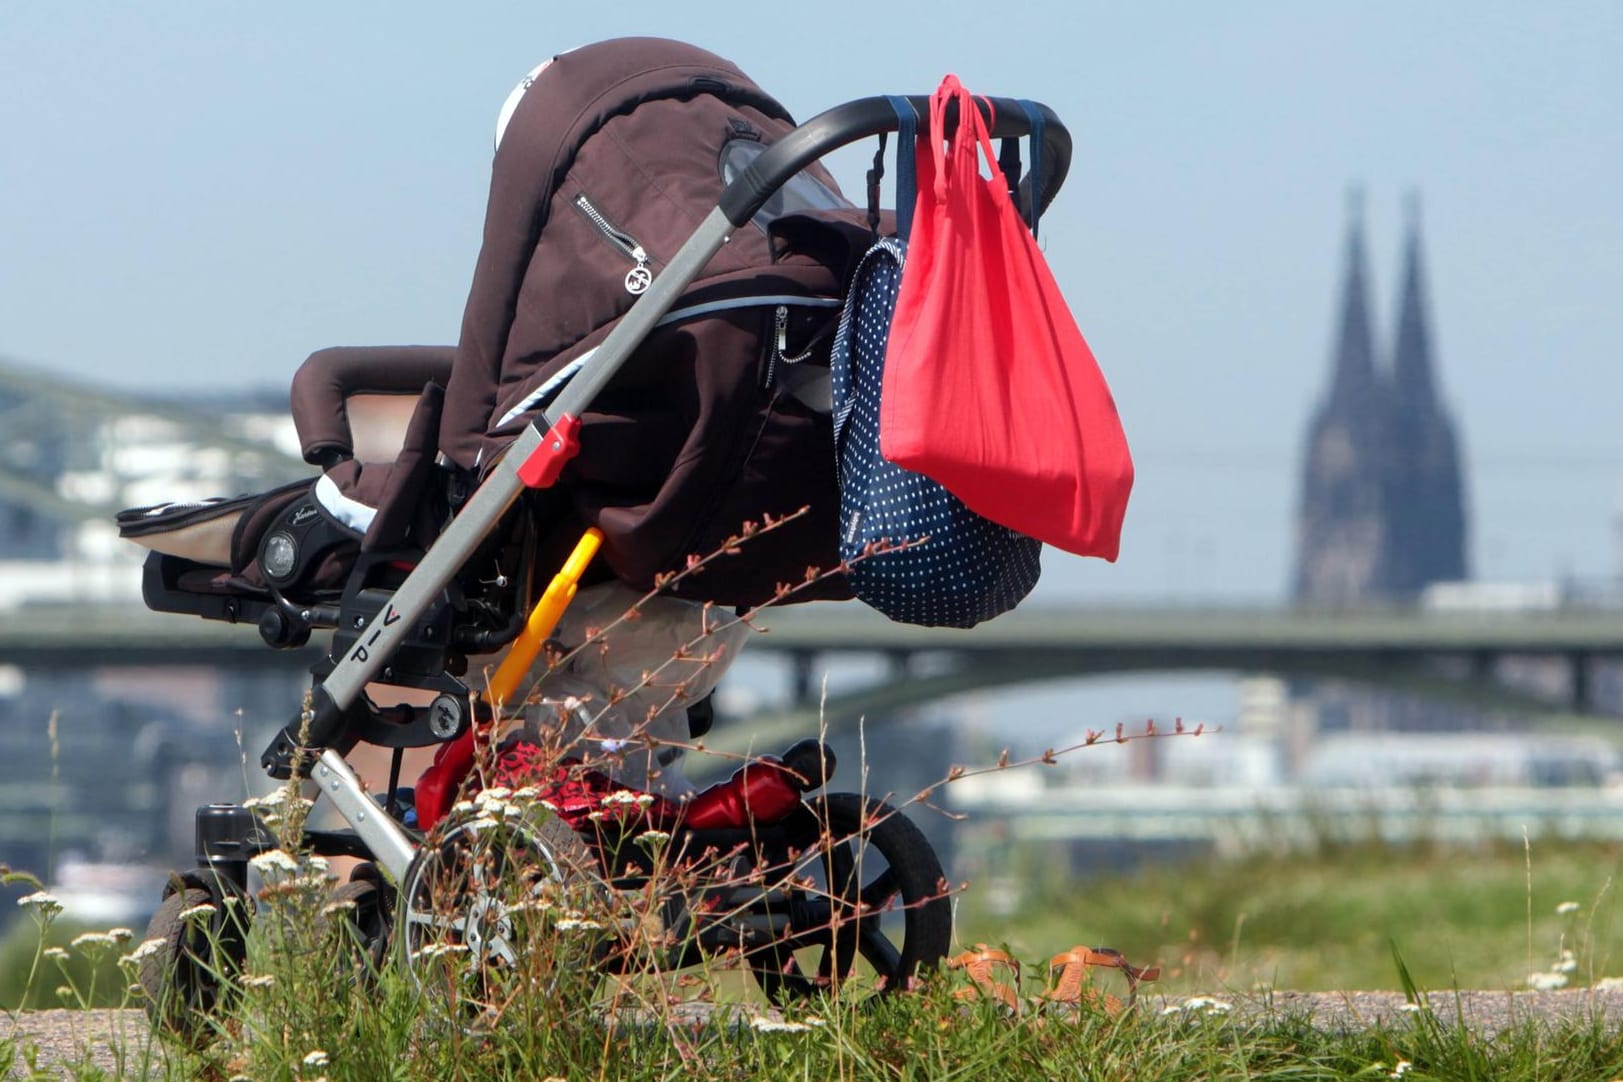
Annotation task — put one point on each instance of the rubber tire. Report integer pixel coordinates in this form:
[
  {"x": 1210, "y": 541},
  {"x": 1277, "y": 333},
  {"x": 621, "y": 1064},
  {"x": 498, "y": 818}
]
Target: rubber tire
[
  {"x": 369, "y": 925},
  {"x": 181, "y": 978},
  {"x": 927, "y": 924}
]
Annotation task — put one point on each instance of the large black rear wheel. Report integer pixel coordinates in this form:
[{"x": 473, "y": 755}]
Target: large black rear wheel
[{"x": 872, "y": 910}]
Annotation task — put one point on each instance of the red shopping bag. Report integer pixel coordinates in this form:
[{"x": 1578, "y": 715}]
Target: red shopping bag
[{"x": 989, "y": 387}]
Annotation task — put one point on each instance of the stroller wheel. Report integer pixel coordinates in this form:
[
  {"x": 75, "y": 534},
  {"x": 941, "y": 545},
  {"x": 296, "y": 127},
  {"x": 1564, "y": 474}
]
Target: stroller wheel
[
  {"x": 482, "y": 896},
  {"x": 876, "y": 912},
  {"x": 368, "y": 915},
  {"x": 189, "y": 975}
]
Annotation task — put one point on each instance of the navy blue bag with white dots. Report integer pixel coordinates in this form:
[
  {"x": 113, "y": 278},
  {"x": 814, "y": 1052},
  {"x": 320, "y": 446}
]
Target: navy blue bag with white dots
[{"x": 967, "y": 568}]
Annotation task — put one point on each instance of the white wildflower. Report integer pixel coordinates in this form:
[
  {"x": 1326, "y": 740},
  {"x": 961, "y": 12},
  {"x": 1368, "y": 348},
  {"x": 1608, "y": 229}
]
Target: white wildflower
[
  {"x": 147, "y": 948},
  {"x": 280, "y": 797},
  {"x": 1609, "y": 984},
  {"x": 578, "y": 924},
  {"x": 596, "y": 817},
  {"x": 496, "y": 793},
  {"x": 1546, "y": 982},
  {"x": 772, "y": 1025},
  {"x": 259, "y": 980},
  {"x": 652, "y": 838},
  {"x": 55, "y": 954},
  {"x": 86, "y": 940},
  {"x": 434, "y": 950},
  {"x": 1198, "y": 1005},
  {"x": 1400, "y": 1068},
  {"x": 316, "y": 1059},
  {"x": 533, "y": 905},
  {"x": 629, "y": 797},
  {"x": 1567, "y": 907},
  {"x": 1409, "y": 1008},
  {"x": 341, "y": 905},
  {"x": 45, "y": 903},
  {"x": 528, "y": 793},
  {"x": 274, "y": 861},
  {"x": 122, "y": 935},
  {"x": 1567, "y": 964},
  {"x": 202, "y": 909},
  {"x": 462, "y": 807},
  {"x": 65, "y": 993}
]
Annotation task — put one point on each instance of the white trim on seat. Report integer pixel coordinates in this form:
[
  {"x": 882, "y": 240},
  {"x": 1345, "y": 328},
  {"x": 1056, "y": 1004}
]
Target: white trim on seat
[{"x": 352, "y": 513}]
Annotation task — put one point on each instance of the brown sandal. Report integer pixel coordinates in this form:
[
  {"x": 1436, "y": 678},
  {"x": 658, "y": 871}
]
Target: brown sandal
[
  {"x": 980, "y": 964},
  {"x": 1072, "y": 985}
]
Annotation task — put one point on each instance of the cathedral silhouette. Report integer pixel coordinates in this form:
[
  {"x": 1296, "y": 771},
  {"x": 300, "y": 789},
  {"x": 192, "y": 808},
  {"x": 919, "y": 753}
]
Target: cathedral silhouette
[{"x": 1383, "y": 510}]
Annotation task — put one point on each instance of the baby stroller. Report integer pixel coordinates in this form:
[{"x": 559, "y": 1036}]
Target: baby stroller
[{"x": 628, "y": 380}]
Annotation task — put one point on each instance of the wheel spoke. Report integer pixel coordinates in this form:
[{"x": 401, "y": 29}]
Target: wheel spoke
[
  {"x": 501, "y": 949},
  {"x": 880, "y": 891},
  {"x": 880, "y": 952},
  {"x": 431, "y": 920}
]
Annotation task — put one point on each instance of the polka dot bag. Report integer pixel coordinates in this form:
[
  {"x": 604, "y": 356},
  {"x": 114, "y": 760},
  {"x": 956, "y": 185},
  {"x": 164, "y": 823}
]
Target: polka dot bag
[{"x": 956, "y": 568}]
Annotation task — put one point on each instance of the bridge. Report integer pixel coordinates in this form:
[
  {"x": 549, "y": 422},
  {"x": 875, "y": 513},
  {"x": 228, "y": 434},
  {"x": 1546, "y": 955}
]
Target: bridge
[
  {"x": 1452, "y": 655},
  {"x": 1449, "y": 654}
]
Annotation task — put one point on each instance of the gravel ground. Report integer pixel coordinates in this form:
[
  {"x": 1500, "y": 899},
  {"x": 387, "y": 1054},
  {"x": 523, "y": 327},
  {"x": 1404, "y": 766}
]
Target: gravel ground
[{"x": 65, "y": 1038}]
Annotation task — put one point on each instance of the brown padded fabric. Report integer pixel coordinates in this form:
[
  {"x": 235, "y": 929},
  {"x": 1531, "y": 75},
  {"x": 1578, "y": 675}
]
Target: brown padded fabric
[
  {"x": 571, "y": 135},
  {"x": 330, "y": 376}
]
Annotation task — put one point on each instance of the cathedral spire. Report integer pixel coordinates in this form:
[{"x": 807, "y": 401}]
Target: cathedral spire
[
  {"x": 1354, "y": 361},
  {"x": 1413, "y": 379}
]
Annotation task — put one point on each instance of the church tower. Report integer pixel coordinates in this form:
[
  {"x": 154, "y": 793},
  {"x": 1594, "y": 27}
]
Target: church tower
[
  {"x": 1342, "y": 525},
  {"x": 1427, "y": 527}
]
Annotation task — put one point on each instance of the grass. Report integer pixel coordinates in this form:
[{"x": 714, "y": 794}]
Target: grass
[
  {"x": 1323, "y": 921},
  {"x": 1458, "y": 918}
]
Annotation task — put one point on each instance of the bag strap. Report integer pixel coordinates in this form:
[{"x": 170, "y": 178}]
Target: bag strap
[
  {"x": 1034, "y": 117},
  {"x": 971, "y": 140},
  {"x": 907, "y": 180},
  {"x": 876, "y": 174}
]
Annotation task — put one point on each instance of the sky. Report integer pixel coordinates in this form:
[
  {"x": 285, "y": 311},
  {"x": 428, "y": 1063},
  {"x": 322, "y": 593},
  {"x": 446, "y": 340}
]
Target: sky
[{"x": 201, "y": 194}]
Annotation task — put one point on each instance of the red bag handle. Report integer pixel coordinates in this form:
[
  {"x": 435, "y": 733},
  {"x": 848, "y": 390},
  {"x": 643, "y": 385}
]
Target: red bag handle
[{"x": 972, "y": 131}]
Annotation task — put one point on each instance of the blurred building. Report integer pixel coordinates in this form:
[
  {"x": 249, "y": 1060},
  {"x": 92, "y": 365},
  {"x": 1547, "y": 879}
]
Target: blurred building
[{"x": 1382, "y": 512}]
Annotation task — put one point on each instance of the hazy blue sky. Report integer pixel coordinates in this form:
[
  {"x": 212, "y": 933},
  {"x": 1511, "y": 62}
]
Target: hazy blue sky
[{"x": 205, "y": 192}]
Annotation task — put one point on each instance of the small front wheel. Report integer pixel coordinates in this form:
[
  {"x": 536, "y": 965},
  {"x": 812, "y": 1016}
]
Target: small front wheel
[{"x": 188, "y": 974}]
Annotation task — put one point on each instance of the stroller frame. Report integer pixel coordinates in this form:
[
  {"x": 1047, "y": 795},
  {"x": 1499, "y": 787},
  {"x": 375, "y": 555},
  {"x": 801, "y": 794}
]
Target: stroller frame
[
  {"x": 536, "y": 457},
  {"x": 229, "y": 835}
]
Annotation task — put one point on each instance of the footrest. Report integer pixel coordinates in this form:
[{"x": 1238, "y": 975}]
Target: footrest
[{"x": 173, "y": 584}]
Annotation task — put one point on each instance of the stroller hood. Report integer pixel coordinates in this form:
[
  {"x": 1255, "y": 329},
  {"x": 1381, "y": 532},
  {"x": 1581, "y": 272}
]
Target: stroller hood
[
  {"x": 616, "y": 147},
  {"x": 609, "y": 162}
]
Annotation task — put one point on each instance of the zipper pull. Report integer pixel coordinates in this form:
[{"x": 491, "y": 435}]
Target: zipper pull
[
  {"x": 780, "y": 339},
  {"x": 639, "y": 278}
]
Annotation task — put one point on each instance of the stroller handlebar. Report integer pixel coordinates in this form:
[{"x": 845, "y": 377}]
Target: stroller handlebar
[{"x": 844, "y": 124}]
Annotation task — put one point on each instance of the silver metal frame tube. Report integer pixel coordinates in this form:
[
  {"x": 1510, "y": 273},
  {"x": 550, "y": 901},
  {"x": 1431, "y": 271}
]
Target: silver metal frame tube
[
  {"x": 391, "y": 847},
  {"x": 492, "y": 499}
]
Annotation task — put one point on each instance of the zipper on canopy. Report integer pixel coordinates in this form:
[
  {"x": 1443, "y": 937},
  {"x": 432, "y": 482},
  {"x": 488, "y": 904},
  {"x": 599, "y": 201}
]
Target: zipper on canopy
[{"x": 639, "y": 277}]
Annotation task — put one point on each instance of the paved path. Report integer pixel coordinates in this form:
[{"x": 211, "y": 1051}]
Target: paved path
[{"x": 67, "y": 1038}]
